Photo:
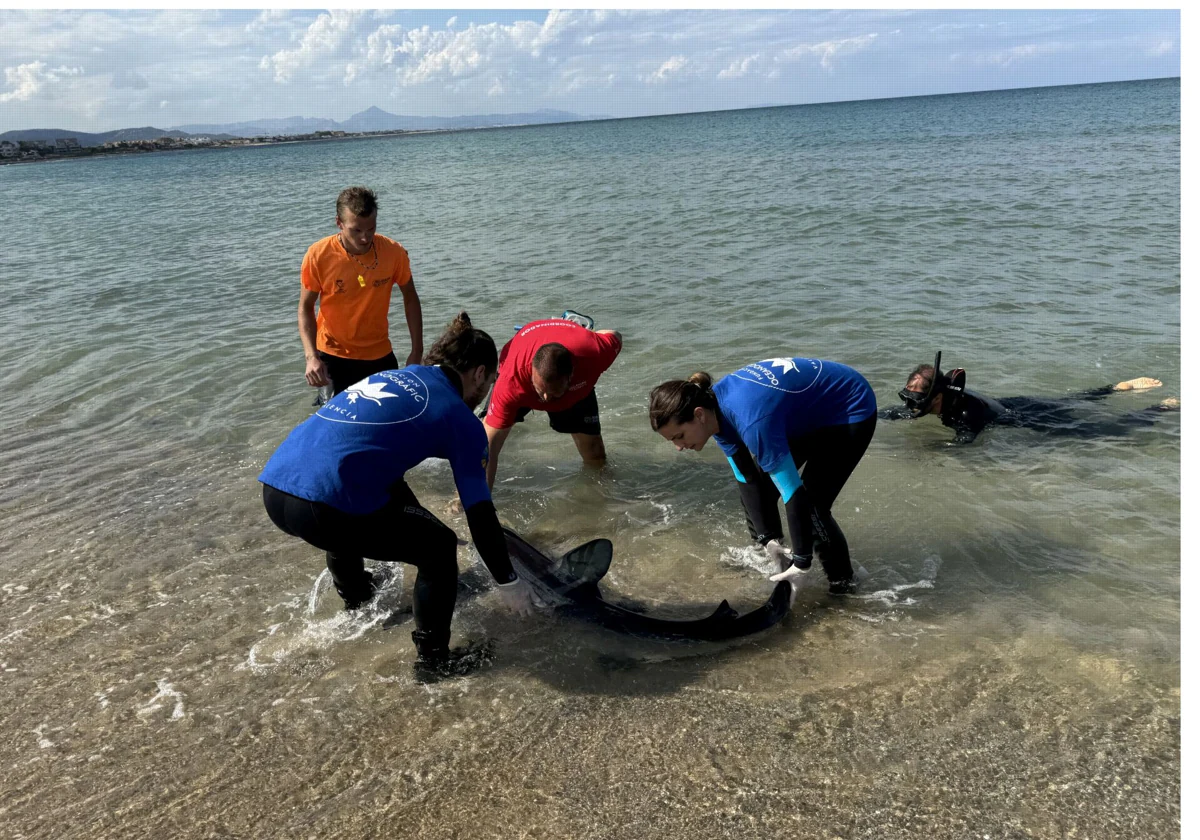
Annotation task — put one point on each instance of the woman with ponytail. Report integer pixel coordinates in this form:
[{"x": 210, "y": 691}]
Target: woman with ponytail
[
  {"x": 772, "y": 419},
  {"x": 337, "y": 482}
]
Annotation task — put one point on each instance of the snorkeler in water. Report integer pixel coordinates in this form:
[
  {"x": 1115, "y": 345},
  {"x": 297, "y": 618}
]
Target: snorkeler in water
[{"x": 929, "y": 391}]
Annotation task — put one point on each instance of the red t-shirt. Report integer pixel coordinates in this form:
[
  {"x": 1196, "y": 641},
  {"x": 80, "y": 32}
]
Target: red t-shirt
[{"x": 591, "y": 354}]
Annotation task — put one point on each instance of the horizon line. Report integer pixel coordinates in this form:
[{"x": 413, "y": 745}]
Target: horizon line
[{"x": 653, "y": 116}]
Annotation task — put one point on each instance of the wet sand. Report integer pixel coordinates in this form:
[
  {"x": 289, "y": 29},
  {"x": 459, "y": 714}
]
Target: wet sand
[{"x": 138, "y": 712}]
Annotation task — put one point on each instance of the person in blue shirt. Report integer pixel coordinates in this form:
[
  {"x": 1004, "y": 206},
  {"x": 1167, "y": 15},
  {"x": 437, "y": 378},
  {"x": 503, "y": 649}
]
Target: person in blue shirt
[
  {"x": 772, "y": 419},
  {"x": 337, "y": 482}
]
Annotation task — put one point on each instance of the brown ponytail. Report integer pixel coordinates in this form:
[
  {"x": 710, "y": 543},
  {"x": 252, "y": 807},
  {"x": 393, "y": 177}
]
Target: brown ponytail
[
  {"x": 463, "y": 347},
  {"x": 677, "y": 400}
]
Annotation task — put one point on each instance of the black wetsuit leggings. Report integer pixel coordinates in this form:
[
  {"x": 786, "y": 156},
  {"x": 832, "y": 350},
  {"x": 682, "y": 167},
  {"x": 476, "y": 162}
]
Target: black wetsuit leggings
[
  {"x": 825, "y": 458},
  {"x": 400, "y": 532},
  {"x": 1056, "y": 417},
  {"x": 345, "y": 372}
]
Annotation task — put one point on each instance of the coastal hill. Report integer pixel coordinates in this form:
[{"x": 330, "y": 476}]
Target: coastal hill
[
  {"x": 50, "y": 135},
  {"x": 372, "y": 119}
]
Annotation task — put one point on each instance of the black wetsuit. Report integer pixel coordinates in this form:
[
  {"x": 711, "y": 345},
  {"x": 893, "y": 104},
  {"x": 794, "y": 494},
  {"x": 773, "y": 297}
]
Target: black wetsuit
[
  {"x": 827, "y": 456},
  {"x": 337, "y": 482},
  {"x": 969, "y": 413},
  {"x": 402, "y": 531}
]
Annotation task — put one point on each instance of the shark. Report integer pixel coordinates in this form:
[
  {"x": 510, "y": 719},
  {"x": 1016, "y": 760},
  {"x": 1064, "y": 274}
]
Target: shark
[{"x": 570, "y": 585}]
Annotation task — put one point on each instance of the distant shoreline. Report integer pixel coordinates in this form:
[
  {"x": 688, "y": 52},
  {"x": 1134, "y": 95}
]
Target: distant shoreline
[{"x": 172, "y": 144}]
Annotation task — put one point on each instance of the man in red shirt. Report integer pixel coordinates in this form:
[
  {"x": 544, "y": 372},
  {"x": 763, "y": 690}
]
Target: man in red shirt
[{"x": 551, "y": 366}]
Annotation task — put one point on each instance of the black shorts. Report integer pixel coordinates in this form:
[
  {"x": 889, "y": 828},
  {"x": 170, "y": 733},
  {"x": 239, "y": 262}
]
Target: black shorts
[
  {"x": 583, "y": 418},
  {"x": 345, "y": 372}
]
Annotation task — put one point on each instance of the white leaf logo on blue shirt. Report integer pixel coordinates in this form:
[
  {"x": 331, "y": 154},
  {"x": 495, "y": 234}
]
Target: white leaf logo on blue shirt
[
  {"x": 373, "y": 391},
  {"x": 788, "y": 365}
]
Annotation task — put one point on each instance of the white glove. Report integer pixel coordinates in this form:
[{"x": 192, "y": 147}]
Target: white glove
[
  {"x": 788, "y": 566},
  {"x": 517, "y": 596},
  {"x": 779, "y": 555}
]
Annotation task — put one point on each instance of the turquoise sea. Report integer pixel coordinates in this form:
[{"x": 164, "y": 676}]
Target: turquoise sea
[{"x": 173, "y": 666}]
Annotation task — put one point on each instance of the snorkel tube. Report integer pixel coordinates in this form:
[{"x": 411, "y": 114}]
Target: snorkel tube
[{"x": 919, "y": 402}]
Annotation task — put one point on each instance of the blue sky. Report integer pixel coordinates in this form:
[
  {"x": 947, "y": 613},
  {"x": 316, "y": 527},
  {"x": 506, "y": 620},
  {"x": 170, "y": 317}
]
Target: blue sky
[{"x": 94, "y": 70}]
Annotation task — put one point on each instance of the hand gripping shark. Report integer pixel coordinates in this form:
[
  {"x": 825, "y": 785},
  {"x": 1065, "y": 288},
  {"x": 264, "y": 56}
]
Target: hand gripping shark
[{"x": 570, "y": 585}]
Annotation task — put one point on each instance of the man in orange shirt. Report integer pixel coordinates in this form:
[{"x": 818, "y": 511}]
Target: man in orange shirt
[{"x": 351, "y": 274}]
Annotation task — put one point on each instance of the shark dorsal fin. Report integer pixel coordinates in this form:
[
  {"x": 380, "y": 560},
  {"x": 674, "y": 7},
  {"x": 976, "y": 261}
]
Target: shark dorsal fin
[
  {"x": 588, "y": 563},
  {"x": 723, "y": 612}
]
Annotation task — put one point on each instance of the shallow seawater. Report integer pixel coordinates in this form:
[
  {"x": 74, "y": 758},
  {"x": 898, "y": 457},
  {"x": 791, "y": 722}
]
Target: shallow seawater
[{"x": 172, "y": 665}]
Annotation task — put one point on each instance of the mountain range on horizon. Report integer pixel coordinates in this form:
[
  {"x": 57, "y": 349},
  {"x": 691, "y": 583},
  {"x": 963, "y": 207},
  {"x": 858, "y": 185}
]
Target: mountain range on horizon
[{"x": 372, "y": 119}]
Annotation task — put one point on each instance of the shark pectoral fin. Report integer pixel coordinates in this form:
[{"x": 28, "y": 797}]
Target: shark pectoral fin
[{"x": 587, "y": 563}]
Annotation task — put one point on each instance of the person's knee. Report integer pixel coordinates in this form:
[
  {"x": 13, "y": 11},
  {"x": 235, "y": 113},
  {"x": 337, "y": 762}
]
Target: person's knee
[
  {"x": 425, "y": 534},
  {"x": 445, "y": 543},
  {"x": 443, "y": 571},
  {"x": 439, "y": 563}
]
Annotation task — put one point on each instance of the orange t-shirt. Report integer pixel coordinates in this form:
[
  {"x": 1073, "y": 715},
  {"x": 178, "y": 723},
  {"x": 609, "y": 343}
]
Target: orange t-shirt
[{"x": 352, "y": 319}]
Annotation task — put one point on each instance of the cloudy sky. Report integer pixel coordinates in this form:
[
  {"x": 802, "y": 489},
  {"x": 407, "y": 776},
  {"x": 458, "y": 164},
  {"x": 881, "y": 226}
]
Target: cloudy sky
[{"x": 93, "y": 70}]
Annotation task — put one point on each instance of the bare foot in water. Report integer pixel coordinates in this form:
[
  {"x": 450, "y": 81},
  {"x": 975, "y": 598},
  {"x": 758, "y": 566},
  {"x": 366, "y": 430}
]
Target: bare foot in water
[
  {"x": 1170, "y": 404},
  {"x": 1142, "y": 383}
]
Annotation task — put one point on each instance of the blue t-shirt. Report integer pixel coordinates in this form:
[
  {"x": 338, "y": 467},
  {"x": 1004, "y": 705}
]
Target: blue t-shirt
[
  {"x": 350, "y": 453},
  {"x": 769, "y": 402}
]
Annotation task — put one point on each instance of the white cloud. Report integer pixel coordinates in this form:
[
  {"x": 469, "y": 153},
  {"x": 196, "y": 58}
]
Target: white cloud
[
  {"x": 427, "y": 55},
  {"x": 625, "y": 63},
  {"x": 328, "y": 36},
  {"x": 828, "y": 49},
  {"x": 740, "y": 68},
  {"x": 28, "y": 80},
  {"x": 1022, "y": 52},
  {"x": 670, "y": 68},
  {"x": 268, "y": 20},
  {"x": 961, "y": 27},
  {"x": 577, "y": 79},
  {"x": 527, "y": 49}
]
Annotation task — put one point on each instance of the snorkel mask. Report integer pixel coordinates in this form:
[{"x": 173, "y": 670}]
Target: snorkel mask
[{"x": 919, "y": 403}]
